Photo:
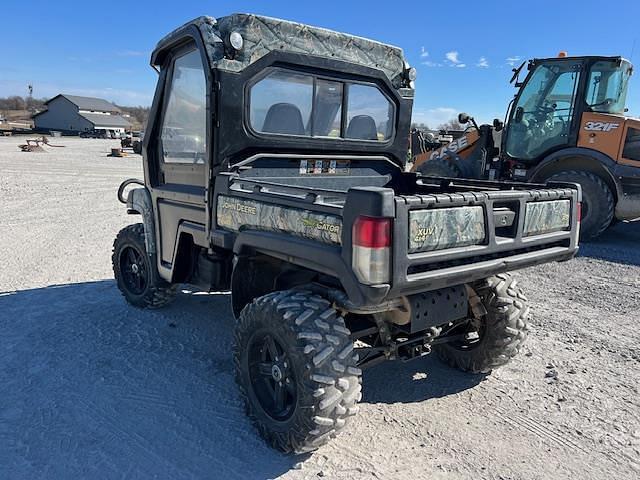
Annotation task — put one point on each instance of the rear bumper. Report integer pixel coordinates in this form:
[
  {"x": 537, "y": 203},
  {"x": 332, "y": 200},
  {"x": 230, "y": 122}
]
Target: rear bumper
[
  {"x": 436, "y": 279},
  {"x": 500, "y": 252}
]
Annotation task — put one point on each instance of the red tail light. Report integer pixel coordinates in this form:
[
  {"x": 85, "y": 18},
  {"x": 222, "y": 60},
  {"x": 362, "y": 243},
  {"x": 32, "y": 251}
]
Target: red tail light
[
  {"x": 372, "y": 232},
  {"x": 579, "y": 212},
  {"x": 371, "y": 259}
]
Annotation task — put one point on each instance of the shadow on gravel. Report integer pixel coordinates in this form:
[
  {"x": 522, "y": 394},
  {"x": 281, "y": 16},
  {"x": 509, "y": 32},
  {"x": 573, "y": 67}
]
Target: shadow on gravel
[
  {"x": 414, "y": 381},
  {"x": 619, "y": 244},
  {"x": 92, "y": 388}
]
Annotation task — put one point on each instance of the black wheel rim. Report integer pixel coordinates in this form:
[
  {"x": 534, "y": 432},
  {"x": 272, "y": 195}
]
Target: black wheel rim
[
  {"x": 271, "y": 376},
  {"x": 133, "y": 270}
]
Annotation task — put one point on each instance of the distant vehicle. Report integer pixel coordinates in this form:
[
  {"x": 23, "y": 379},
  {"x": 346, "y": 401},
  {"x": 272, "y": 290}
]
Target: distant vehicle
[
  {"x": 101, "y": 133},
  {"x": 94, "y": 134},
  {"x": 133, "y": 140}
]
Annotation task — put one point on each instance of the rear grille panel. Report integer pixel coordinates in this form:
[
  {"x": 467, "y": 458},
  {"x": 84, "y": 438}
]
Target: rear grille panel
[{"x": 504, "y": 216}]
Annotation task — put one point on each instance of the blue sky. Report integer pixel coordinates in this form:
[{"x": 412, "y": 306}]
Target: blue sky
[{"x": 462, "y": 51}]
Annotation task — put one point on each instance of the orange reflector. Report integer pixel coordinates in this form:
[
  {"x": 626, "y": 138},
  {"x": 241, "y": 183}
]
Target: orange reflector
[{"x": 562, "y": 54}]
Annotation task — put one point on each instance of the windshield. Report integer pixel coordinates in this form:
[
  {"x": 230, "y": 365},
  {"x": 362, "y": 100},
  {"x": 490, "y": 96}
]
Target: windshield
[{"x": 607, "y": 87}]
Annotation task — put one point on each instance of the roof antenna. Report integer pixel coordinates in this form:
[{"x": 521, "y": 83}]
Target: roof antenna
[{"x": 633, "y": 48}]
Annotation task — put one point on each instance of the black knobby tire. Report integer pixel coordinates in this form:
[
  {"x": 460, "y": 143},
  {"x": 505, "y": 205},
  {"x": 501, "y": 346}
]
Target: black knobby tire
[
  {"x": 598, "y": 202},
  {"x": 502, "y": 331},
  {"x": 322, "y": 382},
  {"x": 439, "y": 167},
  {"x": 146, "y": 290}
]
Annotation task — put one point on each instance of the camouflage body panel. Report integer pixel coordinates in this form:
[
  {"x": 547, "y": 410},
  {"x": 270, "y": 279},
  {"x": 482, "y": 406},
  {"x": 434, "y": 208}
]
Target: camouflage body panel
[
  {"x": 236, "y": 214},
  {"x": 546, "y": 217},
  {"x": 445, "y": 228},
  {"x": 263, "y": 34}
]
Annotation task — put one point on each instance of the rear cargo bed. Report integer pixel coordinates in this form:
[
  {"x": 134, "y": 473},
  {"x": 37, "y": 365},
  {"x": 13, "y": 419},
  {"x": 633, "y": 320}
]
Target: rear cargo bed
[{"x": 451, "y": 232}]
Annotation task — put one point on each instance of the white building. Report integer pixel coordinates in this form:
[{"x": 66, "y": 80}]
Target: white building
[{"x": 72, "y": 114}]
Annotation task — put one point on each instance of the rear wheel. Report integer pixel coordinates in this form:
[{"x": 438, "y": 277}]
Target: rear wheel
[
  {"x": 296, "y": 369},
  {"x": 439, "y": 167},
  {"x": 597, "y": 202},
  {"x": 497, "y": 331},
  {"x": 136, "y": 273}
]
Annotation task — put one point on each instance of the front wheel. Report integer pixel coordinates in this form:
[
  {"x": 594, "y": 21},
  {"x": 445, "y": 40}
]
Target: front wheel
[
  {"x": 296, "y": 369},
  {"x": 497, "y": 330},
  {"x": 136, "y": 273}
]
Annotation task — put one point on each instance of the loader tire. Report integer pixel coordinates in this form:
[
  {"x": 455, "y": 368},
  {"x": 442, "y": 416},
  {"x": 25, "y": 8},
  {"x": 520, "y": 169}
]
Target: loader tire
[
  {"x": 296, "y": 369},
  {"x": 136, "y": 273},
  {"x": 502, "y": 331},
  {"x": 597, "y": 202}
]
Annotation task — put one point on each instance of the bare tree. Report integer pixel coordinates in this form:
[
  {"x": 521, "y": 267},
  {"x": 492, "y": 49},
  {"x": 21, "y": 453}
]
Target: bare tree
[{"x": 452, "y": 124}]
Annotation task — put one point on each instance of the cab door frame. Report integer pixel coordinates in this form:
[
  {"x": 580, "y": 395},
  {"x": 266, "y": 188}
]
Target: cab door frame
[{"x": 178, "y": 209}]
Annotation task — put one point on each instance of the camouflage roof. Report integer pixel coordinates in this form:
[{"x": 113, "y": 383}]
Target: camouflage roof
[{"x": 263, "y": 34}]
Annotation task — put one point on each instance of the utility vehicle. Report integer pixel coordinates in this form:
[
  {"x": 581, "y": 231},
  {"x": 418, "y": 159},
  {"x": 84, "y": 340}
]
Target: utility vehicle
[
  {"x": 567, "y": 122},
  {"x": 274, "y": 167}
]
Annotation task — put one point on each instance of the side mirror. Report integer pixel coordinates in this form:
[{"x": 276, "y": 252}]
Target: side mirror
[
  {"x": 463, "y": 118},
  {"x": 497, "y": 125},
  {"x": 519, "y": 114}
]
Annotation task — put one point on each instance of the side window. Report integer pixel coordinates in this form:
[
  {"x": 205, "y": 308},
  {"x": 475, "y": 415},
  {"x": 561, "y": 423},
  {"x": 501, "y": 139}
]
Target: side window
[
  {"x": 281, "y": 103},
  {"x": 184, "y": 126},
  {"x": 632, "y": 144},
  {"x": 369, "y": 114},
  {"x": 607, "y": 87}
]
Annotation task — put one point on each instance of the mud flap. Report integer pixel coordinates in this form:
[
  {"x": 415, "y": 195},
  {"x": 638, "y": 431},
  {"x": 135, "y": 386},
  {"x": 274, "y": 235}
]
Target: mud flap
[{"x": 139, "y": 200}]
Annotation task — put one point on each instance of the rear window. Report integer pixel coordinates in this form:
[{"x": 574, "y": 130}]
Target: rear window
[{"x": 285, "y": 102}]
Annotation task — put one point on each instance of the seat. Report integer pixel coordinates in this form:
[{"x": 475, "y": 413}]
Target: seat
[
  {"x": 283, "y": 118},
  {"x": 362, "y": 127}
]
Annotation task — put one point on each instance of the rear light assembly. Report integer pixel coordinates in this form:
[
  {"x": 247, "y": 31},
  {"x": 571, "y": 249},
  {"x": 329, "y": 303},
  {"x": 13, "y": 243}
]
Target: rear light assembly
[{"x": 372, "y": 249}]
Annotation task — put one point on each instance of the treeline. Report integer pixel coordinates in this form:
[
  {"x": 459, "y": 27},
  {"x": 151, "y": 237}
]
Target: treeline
[
  {"x": 17, "y": 102},
  {"x": 139, "y": 114},
  {"x": 449, "y": 125}
]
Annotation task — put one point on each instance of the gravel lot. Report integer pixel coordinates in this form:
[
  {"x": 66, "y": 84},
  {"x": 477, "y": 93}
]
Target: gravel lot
[{"x": 92, "y": 388}]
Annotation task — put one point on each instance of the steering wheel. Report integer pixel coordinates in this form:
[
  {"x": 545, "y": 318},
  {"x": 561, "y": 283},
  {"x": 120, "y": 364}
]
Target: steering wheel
[
  {"x": 545, "y": 109},
  {"x": 606, "y": 102}
]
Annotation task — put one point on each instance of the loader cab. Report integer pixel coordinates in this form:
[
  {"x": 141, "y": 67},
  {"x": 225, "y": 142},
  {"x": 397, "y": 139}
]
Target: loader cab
[{"x": 547, "y": 111}]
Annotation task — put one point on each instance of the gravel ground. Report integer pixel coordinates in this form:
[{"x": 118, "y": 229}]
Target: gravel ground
[{"x": 92, "y": 388}]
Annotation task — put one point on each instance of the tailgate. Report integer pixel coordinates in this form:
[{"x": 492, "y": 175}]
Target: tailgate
[{"x": 449, "y": 239}]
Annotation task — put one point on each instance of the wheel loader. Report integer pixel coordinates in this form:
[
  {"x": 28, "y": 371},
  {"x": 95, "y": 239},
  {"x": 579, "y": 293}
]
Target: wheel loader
[{"x": 567, "y": 122}]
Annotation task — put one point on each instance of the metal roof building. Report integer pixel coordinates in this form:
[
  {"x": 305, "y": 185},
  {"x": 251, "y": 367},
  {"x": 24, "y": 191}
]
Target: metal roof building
[{"x": 72, "y": 114}]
